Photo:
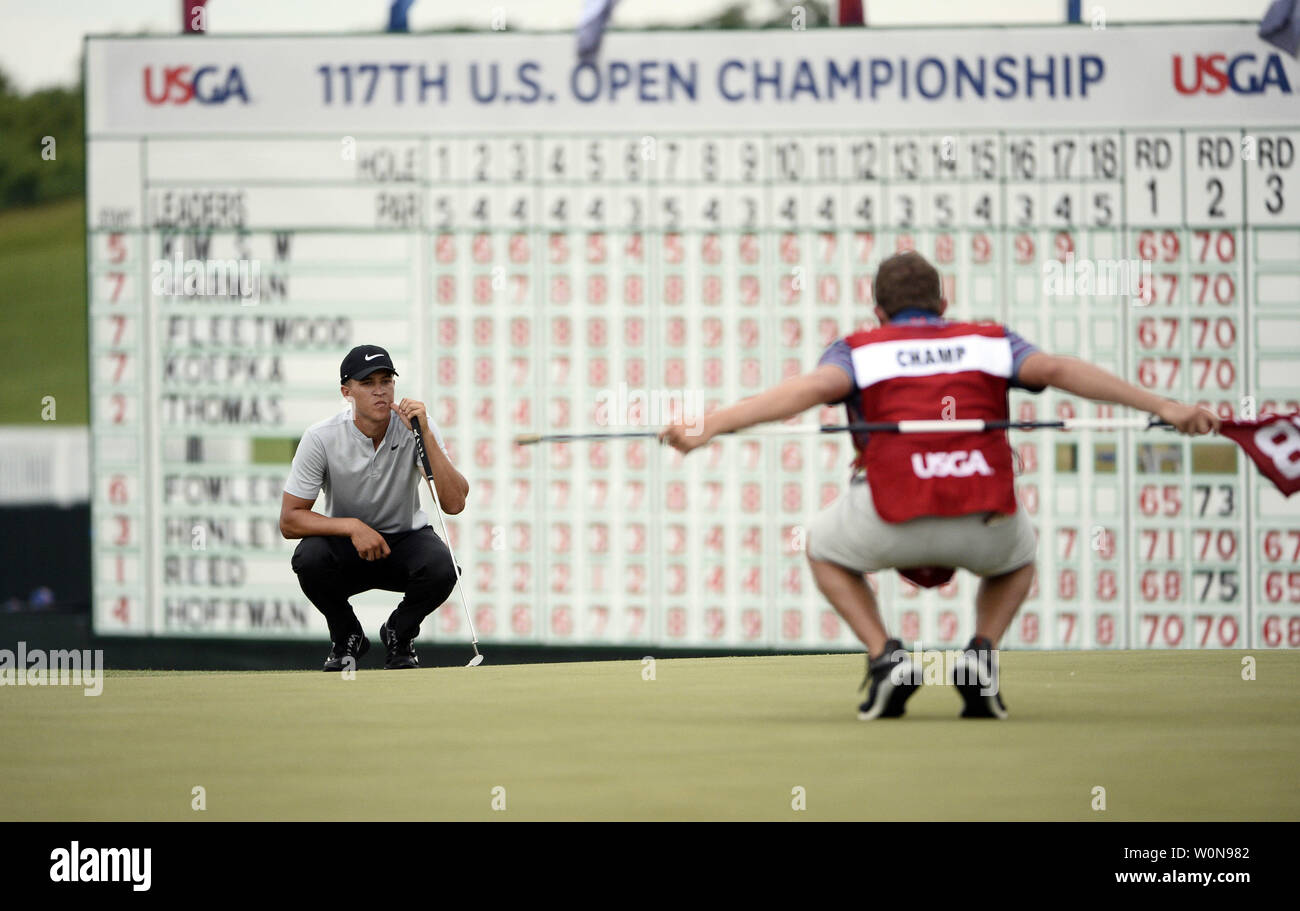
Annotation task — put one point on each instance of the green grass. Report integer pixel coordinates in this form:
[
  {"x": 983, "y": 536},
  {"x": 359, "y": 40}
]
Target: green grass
[
  {"x": 43, "y": 274},
  {"x": 1169, "y": 735}
]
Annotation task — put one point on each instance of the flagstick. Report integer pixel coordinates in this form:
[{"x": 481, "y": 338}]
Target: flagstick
[
  {"x": 446, "y": 537},
  {"x": 964, "y": 426}
]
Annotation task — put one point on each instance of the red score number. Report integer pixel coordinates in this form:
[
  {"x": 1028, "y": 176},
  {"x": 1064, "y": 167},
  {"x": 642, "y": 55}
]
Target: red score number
[
  {"x": 1282, "y": 587},
  {"x": 1065, "y": 624},
  {"x": 1160, "y": 246},
  {"x": 1166, "y": 500},
  {"x": 1107, "y": 585},
  {"x": 1222, "y": 244},
  {"x": 1170, "y": 626},
  {"x": 1158, "y": 585},
  {"x": 1282, "y": 545},
  {"x": 1278, "y": 630}
]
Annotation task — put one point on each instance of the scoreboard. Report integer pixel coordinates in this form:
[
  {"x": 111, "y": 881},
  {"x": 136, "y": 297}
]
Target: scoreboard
[{"x": 549, "y": 246}]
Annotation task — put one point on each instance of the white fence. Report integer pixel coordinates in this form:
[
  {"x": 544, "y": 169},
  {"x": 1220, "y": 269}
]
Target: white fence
[{"x": 44, "y": 465}]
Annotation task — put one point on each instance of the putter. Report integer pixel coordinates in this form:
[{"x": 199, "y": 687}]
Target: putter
[{"x": 446, "y": 538}]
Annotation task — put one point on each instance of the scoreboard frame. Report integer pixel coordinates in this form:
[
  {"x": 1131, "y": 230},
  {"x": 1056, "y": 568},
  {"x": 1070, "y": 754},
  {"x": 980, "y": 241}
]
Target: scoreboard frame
[{"x": 932, "y": 611}]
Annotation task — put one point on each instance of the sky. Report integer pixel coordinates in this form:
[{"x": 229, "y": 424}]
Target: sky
[{"x": 40, "y": 42}]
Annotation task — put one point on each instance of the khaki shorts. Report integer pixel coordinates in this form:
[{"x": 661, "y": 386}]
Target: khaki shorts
[{"x": 851, "y": 534}]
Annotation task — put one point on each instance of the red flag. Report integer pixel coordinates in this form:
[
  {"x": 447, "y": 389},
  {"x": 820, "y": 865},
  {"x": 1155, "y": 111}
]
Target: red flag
[
  {"x": 852, "y": 12},
  {"x": 1273, "y": 444},
  {"x": 194, "y": 17}
]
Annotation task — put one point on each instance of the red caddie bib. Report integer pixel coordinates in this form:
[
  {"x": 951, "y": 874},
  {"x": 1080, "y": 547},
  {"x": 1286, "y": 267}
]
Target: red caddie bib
[{"x": 921, "y": 372}]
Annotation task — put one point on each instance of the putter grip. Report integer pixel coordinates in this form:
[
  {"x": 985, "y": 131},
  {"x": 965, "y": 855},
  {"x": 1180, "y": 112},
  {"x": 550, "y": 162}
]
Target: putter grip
[{"x": 419, "y": 447}]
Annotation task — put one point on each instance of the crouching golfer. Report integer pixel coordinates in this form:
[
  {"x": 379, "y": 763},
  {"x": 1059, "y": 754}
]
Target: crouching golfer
[
  {"x": 373, "y": 534},
  {"x": 927, "y": 502}
]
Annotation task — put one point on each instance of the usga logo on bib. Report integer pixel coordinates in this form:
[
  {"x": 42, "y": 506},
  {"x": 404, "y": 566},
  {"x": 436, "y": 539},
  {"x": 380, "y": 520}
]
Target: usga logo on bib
[{"x": 960, "y": 464}]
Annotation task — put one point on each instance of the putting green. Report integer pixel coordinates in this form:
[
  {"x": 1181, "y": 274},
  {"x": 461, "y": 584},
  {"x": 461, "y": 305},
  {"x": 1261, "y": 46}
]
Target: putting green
[{"x": 1169, "y": 735}]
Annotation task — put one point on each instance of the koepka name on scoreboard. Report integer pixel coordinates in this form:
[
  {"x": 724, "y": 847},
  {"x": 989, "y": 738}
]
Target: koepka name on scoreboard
[{"x": 213, "y": 369}]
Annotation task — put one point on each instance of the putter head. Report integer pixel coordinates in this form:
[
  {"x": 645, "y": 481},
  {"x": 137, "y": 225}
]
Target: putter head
[{"x": 475, "y": 661}]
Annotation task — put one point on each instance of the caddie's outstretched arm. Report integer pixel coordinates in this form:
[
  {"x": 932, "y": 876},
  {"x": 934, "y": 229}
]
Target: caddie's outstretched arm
[
  {"x": 1069, "y": 374},
  {"x": 824, "y": 385}
]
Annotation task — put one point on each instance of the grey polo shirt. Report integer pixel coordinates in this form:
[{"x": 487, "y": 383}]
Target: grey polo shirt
[{"x": 381, "y": 487}]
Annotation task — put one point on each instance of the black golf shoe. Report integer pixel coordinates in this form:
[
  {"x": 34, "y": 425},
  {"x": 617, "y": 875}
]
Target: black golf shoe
[
  {"x": 401, "y": 652},
  {"x": 893, "y": 678},
  {"x": 975, "y": 675},
  {"x": 355, "y": 646}
]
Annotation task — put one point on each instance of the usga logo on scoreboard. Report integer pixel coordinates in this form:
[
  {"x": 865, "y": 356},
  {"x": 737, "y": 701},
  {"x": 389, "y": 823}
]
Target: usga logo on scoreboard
[
  {"x": 1213, "y": 74},
  {"x": 175, "y": 85}
]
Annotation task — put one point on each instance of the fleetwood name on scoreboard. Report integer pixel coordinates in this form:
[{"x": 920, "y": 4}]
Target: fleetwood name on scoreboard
[{"x": 696, "y": 214}]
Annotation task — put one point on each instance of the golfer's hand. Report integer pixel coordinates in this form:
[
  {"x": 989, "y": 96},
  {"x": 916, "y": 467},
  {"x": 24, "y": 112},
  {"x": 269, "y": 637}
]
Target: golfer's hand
[
  {"x": 369, "y": 543},
  {"x": 1190, "y": 419},
  {"x": 684, "y": 438},
  {"x": 407, "y": 408}
]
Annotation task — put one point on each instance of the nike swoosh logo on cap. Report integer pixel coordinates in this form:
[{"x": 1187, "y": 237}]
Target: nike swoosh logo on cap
[{"x": 371, "y": 356}]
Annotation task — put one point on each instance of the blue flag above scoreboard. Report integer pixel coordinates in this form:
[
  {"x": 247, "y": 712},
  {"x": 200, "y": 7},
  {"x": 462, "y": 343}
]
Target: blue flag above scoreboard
[
  {"x": 397, "y": 13},
  {"x": 1181, "y": 75},
  {"x": 1281, "y": 25}
]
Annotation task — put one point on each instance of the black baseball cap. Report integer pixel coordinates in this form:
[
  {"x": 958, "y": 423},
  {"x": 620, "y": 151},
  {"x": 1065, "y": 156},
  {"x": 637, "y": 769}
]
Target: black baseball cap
[{"x": 364, "y": 360}]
